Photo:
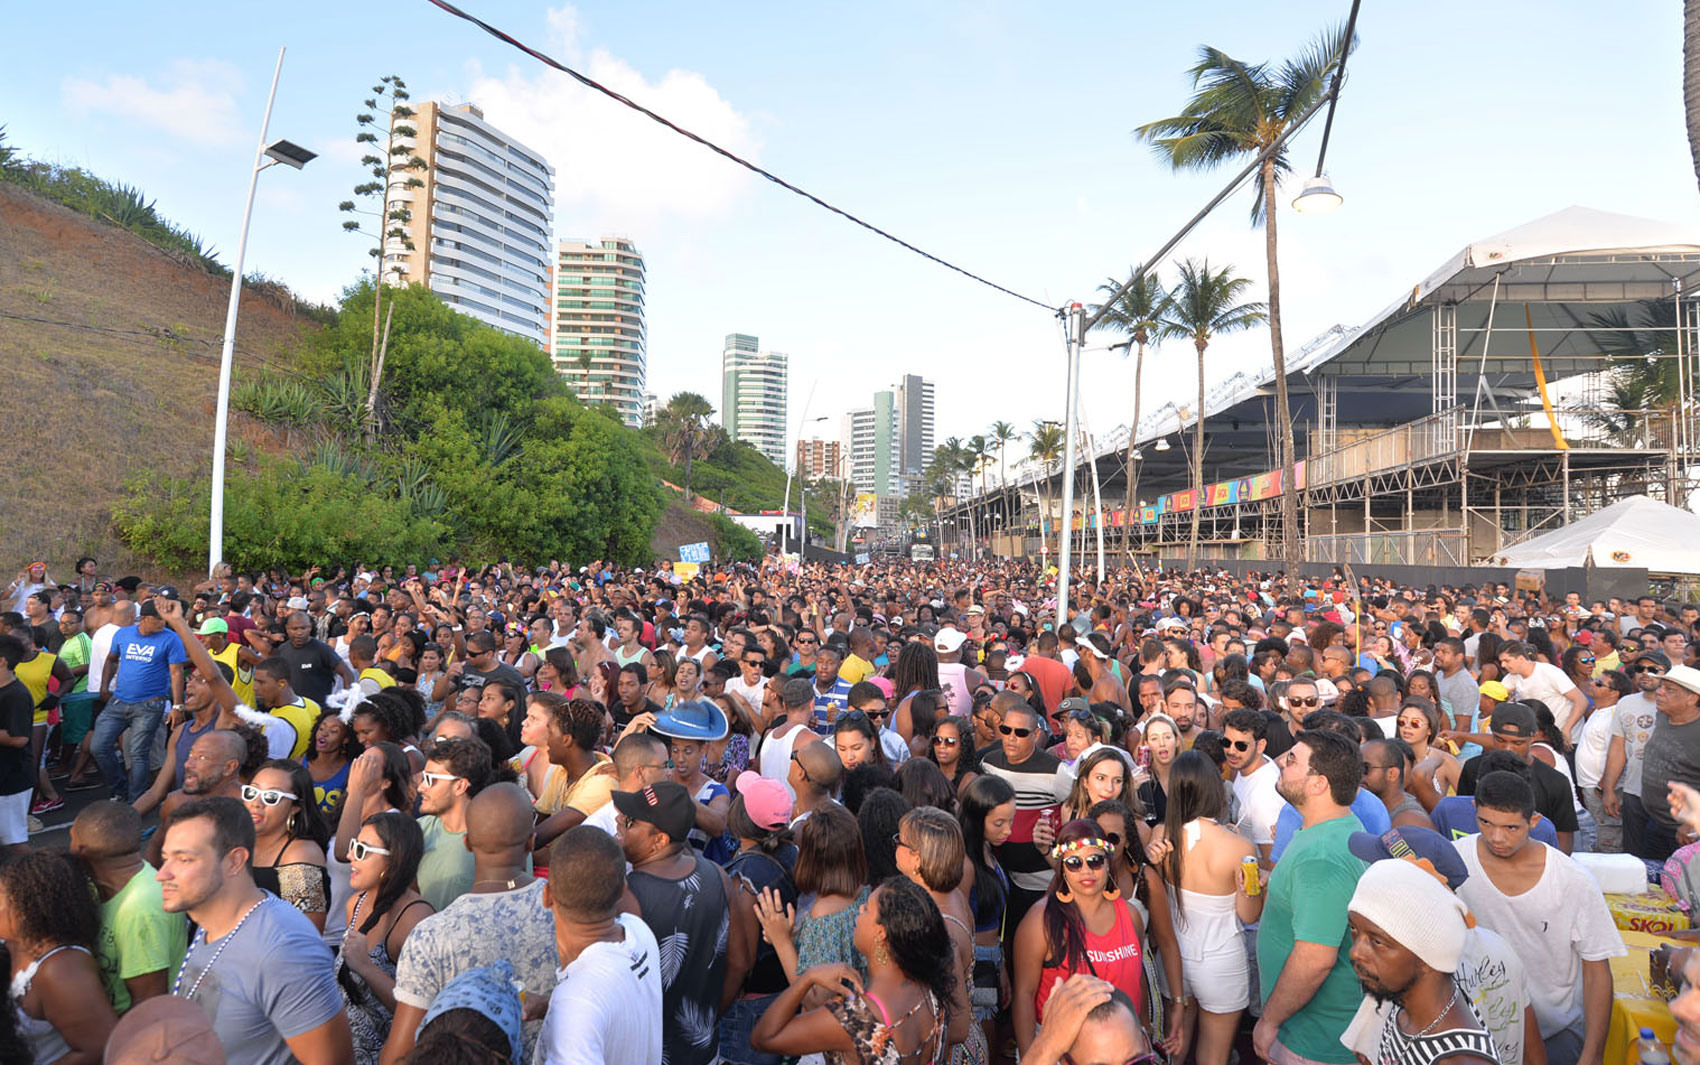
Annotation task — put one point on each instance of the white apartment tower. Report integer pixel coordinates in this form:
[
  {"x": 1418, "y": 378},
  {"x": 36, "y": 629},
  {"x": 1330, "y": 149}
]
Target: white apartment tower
[
  {"x": 753, "y": 395},
  {"x": 598, "y": 338},
  {"x": 480, "y": 223}
]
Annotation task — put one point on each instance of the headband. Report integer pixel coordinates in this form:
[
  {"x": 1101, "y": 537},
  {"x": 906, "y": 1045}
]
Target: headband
[{"x": 1062, "y": 850}]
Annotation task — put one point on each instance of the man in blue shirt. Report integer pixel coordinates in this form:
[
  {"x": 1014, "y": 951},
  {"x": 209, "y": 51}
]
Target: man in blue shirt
[{"x": 142, "y": 681}]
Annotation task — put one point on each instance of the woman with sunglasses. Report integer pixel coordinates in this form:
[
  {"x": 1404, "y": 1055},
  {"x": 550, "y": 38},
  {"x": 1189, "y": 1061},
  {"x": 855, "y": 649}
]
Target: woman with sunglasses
[
  {"x": 1418, "y": 724},
  {"x": 382, "y": 909},
  {"x": 988, "y": 818},
  {"x": 1202, "y": 863},
  {"x": 289, "y": 837},
  {"x": 1162, "y": 745},
  {"x": 953, "y": 750},
  {"x": 1082, "y": 912},
  {"x": 1022, "y": 683},
  {"x": 1142, "y": 886}
]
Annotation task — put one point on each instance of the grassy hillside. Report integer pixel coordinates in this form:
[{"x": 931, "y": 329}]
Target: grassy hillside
[{"x": 111, "y": 352}]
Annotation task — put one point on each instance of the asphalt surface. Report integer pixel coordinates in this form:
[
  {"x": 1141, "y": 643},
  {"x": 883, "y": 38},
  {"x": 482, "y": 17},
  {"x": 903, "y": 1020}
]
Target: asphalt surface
[{"x": 56, "y": 826}]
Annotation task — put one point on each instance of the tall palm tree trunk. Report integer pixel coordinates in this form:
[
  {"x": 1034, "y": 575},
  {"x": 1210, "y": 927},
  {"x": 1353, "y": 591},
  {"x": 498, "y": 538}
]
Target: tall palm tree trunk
[
  {"x": 1128, "y": 516},
  {"x": 1289, "y": 532},
  {"x": 1197, "y": 463},
  {"x": 1691, "y": 77}
]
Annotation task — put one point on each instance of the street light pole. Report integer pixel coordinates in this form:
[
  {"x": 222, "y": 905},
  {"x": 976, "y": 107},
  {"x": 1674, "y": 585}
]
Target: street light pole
[
  {"x": 264, "y": 155},
  {"x": 1074, "y": 327}
]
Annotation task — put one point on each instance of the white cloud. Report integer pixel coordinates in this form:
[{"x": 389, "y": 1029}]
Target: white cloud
[
  {"x": 615, "y": 169},
  {"x": 194, "y": 100}
]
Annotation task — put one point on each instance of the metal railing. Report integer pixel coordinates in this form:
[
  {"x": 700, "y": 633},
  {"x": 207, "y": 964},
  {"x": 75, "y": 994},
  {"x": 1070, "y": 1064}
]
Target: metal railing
[
  {"x": 1423, "y": 440},
  {"x": 1422, "y": 547}
]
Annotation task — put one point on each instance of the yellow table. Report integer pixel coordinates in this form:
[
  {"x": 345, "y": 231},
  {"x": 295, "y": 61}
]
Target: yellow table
[{"x": 1634, "y": 1006}]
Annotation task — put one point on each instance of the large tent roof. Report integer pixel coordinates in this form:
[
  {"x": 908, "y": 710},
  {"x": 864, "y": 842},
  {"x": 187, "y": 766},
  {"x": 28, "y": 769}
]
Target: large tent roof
[
  {"x": 1565, "y": 268},
  {"x": 1634, "y": 532}
]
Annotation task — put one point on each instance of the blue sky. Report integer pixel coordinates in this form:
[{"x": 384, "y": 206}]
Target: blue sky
[{"x": 996, "y": 135}]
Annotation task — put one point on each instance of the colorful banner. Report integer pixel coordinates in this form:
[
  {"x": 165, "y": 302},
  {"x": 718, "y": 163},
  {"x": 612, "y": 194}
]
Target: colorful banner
[
  {"x": 687, "y": 571},
  {"x": 866, "y": 510}
]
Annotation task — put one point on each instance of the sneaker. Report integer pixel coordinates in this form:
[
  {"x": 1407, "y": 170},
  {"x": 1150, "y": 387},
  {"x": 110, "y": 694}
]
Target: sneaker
[
  {"x": 81, "y": 785},
  {"x": 35, "y": 825},
  {"x": 45, "y": 806}
]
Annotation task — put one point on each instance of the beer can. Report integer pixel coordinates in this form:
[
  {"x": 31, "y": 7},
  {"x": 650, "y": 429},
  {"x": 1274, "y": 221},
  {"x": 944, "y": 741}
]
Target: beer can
[{"x": 1252, "y": 882}]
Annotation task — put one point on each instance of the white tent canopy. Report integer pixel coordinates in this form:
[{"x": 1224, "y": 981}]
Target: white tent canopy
[{"x": 1635, "y": 532}]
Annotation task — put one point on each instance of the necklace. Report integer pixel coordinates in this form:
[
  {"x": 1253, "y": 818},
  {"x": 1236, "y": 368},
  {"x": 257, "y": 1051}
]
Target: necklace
[
  {"x": 510, "y": 883},
  {"x": 200, "y": 938},
  {"x": 1444, "y": 1010}
]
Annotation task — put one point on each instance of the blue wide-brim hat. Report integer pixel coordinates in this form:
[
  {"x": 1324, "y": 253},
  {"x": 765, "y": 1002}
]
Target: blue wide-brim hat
[
  {"x": 698, "y": 719},
  {"x": 491, "y": 990}
]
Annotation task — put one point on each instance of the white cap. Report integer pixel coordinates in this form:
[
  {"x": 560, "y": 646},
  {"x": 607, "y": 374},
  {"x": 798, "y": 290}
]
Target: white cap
[
  {"x": 1684, "y": 677},
  {"x": 1414, "y": 909},
  {"x": 948, "y": 641}
]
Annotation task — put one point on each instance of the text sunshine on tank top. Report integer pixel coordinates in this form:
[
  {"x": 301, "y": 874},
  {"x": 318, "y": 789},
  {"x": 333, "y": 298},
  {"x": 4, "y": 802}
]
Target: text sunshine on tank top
[{"x": 1112, "y": 956}]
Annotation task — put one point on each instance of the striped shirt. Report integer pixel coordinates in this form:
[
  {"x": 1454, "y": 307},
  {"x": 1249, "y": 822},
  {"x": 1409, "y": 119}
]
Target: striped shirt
[{"x": 1041, "y": 784}]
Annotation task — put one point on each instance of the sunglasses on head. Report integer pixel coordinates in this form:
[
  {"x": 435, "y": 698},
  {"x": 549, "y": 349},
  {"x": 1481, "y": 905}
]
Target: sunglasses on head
[
  {"x": 1094, "y": 861},
  {"x": 360, "y": 850},
  {"x": 1019, "y": 733},
  {"x": 267, "y": 796}
]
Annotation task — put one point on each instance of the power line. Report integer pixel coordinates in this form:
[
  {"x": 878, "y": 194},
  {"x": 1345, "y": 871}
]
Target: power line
[{"x": 725, "y": 153}]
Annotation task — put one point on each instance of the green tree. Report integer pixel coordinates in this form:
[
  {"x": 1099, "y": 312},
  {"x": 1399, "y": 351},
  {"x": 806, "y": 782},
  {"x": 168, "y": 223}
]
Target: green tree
[
  {"x": 1241, "y": 109},
  {"x": 395, "y": 168},
  {"x": 1001, "y": 435},
  {"x": 1644, "y": 372},
  {"x": 1202, "y": 306},
  {"x": 684, "y": 430},
  {"x": 1045, "y": 446},
  {"x": 1138, "y": 314}
]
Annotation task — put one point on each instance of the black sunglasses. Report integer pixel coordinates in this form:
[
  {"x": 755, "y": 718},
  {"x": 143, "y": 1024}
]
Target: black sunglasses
[
  {"x": 1241, "y": 745},
  {"x": 1094, "y": 861},
  {"x": 1312, "y": 701},
  {"x": 1020, "y": 733}
]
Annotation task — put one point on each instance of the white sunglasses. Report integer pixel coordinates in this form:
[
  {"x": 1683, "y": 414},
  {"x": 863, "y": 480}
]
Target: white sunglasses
[
  {"x": 359, "y": 851},
  {"x": 268, "y": 796}
]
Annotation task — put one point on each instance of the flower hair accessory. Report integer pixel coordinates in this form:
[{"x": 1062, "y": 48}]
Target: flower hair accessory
[{"x": 1059, "y": 851}]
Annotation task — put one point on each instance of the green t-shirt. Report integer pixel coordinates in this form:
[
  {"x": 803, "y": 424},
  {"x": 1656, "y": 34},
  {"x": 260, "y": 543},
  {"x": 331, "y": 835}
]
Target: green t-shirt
[
  {"x": 137, "y": 936},
  {"x": 1308, "y": 893},
  {"x": 445, "y": 871},
  {"x": 74, "y": 653}
]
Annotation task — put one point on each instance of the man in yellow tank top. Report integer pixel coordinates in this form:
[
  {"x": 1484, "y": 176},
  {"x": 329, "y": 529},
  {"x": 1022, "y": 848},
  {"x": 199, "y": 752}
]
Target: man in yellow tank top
[{"x": 215, "y": 637}]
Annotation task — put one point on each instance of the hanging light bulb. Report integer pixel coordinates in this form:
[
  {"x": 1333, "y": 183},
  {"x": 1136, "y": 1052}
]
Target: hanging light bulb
[{"x": 1317, "y": 197}]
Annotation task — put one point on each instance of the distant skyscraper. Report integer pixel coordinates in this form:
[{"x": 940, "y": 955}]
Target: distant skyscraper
[
  {"x": 891, "y": 442},
  {"x": 651, "y": 407},
  {"x": 599, "y": 340},
  {"x": 820, "y": 458},
  {"x": 481, "y": 222},
  {"x": 753, "y": 395}
]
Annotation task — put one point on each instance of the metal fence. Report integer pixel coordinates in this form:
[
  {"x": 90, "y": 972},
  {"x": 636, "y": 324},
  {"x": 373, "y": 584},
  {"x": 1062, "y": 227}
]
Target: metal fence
[
  {"x": 1423, "y": 440},
  {"x": 1422, "y": 547}
]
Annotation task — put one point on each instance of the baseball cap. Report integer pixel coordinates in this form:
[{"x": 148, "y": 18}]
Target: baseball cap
[
  {"x": 976, "y": 609},
  {"x": 1071, "y": 704},
  {"x": 666, "y": 804},
  {"x": 948, "y": 641},
  {"x": 1496, "y": 691},
  {"x": 103, "y": 586},
  {"x": 1423, "y": 846},
  {"x": 1684, "y": 677},
  {"x": 167, "y": 591},
  {"x": 298, "y": 602},
  {"x": 211, "y": 626},
  {"x": 1516, "y": 720},
  {"x": 1327, "y": 692},
  {"x": 766, "y": 800}
]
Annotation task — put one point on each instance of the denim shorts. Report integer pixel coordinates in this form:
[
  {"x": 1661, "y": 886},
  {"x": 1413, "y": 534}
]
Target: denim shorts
[{"x": 735, "y": 1027}]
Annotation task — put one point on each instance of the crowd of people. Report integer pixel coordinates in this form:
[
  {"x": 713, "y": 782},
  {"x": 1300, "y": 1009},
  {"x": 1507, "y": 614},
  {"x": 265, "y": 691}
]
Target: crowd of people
[{"x": 886, "y": 813}]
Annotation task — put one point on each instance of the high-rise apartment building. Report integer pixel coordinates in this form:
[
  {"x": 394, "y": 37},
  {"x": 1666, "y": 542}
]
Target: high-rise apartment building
[
  {"x": 480, "y": 223},
  {"x": 891, "y": 442},
  {"x": 598, "y": 338},
  {"x": 753, "y": 392},
  {"x": 820, "y": 458}
]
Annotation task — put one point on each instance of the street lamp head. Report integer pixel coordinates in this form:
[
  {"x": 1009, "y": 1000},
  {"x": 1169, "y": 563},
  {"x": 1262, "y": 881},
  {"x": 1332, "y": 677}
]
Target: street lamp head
[
  {"x": 1317, "y": 197},
  {"x": 1163, "y": 444},
  {"x": 289, "y": 154}
]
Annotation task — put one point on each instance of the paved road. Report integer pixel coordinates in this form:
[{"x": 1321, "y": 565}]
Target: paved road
[{"x": 56, "y": 826}]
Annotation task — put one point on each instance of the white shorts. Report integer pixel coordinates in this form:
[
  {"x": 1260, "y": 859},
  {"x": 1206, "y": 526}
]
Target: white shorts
[
  {"x": 14, "y": 818},
  {"x": 1220, "y": 981}
]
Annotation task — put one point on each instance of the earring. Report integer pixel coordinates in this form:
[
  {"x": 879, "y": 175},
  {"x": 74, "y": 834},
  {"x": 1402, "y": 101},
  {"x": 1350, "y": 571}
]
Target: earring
[
  {"x": 1064, "y": 895},
  {"x": 1111, "y": 890},
  {"x": 881, "y": 955}
]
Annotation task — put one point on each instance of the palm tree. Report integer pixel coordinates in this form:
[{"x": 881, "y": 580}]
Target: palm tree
[
  {"x": 1045, "y": 446},
  {"x": 1239, "y": 109},
  {"x": 1202, "y": 306},
  {"x": 684, "y": 430},
  {"x": 1138, "y": 313},
  {"x": 1001, "y": 435}
]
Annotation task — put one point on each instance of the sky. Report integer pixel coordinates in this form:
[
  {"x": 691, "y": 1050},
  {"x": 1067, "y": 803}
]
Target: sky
[{"x": 995, "y": 135}]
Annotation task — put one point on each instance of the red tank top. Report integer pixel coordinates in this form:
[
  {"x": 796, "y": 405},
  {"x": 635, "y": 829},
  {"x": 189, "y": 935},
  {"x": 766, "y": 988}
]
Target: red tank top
[{"x": 1114, "y": 956}]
